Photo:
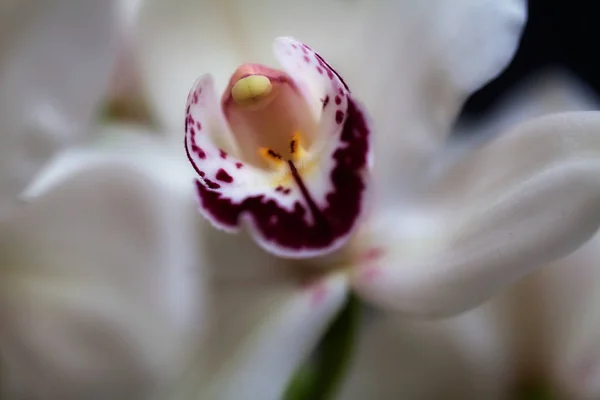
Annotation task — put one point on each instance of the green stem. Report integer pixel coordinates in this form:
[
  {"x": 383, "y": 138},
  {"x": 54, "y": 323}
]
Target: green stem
[{"x": 321, "y": 377}]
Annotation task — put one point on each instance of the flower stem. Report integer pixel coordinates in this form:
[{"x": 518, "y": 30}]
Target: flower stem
[{"x": 320, "y": 378}]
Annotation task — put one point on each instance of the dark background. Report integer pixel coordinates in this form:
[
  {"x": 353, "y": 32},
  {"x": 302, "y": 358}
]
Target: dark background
[{"x": 558, "y": 33}]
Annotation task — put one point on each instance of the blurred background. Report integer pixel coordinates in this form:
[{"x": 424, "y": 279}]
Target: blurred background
[{"x": 560, "y": 39}]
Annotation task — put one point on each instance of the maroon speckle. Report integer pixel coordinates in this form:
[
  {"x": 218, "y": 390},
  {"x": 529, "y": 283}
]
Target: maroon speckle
[
  {"x": 211, "y": 184},
  {"x": 223, "y": 176},
  {"x": 198, "y": 125},
  {"x": 339, "y": 116},
  {"x": 329, "y": 74},
  {"x": 338, "y": 100},
  {"x": 223, "y": 154},
  {"x": 306, "y": 59},
  {"x": 334, "y": 71},
  {"x": 304, "y": 50},
  {"x": 341, "y": 91},
  {"x": 192, "y": 132},
  {"x": 325, "y": 101},
  {"x": 187, "y": 110},
  {"x": 198, "y": 151},
  {"x": 279, "y": 188},
  {"x": 287, "y": 191},
  {"x": 196, "y": 98},
  {"x": 239, "y": 165},
  {"x": 319, "y": 70}
]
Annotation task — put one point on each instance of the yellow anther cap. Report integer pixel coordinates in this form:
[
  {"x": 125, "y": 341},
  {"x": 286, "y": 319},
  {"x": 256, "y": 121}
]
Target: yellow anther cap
[{"x": 250, "y": 89}]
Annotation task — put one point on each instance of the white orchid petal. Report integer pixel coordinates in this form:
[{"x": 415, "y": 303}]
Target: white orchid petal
[
  {"x": 465, "y": 357},
  {"x": 141, "y": 147},
  {"x": 100, "y": 288},
  {"x": 575, "y": 364},
  {"x": 524, "y": 199},
  {"x": 263, "y": 364},
  {"x": 179, "y": 41},
  {"x": 55, "y": 61},
  {"x": 555, "y": 322},
  {"x": 442, "y": 53}
]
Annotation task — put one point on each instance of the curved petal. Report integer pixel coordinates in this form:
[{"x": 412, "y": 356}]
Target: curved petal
[
  {"x": 520, "y": 201},
  {"x": 54, "y": 69},
  {"x": 443, "y": 52},
  {"x": 140, "y": 146},
  {"x": 307, "y": 206},
  {"x": 259, "y": 363},
  {"x": 465, "y": 357},
  {"x": 100, "y": 289}
]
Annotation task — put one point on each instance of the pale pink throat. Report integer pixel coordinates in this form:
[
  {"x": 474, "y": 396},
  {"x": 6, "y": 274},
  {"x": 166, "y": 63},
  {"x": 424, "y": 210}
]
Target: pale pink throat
[{"x": 268, "y": 122}]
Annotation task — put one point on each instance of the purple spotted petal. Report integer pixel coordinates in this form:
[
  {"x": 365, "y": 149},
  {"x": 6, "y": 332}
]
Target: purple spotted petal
[{"x": 314, "y": 209}]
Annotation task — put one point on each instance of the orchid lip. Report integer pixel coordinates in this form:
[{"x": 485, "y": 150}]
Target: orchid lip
[{"x": 298, "y": 181}]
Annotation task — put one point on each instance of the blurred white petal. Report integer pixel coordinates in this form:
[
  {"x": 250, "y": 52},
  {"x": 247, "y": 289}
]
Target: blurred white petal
[
  {"x": 161, "y": 158},
  {"x": 555, "y": 323},
  {"x": 177, "y": 41},
  {"x": 522, "y": 200},
  {"x": 575, "y": 361},
  {"x": 421, "y": 72},
  {"x": 55, "y": 61},
  {"x": 464, "y": 357},
  {"x": 260, "y": 362},
  {"x": 101, "y": 294}
]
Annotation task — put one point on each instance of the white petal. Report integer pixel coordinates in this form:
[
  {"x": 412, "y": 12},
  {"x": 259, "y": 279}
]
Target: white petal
[
  {"x": 101, "y": 294},
  {"x": 465, "y": 357},
  {"x": 442, "y": 52},
  {"x": 259, "y": 364},
  {"x": 55, "y": 61},
  {"x": 556, "y": 323},
  {"x": 520, "y": 201},
  {"x": 575, "y": 360},
  {"x": 140, "y": 146},
  {"x": 179, "y": 41}
]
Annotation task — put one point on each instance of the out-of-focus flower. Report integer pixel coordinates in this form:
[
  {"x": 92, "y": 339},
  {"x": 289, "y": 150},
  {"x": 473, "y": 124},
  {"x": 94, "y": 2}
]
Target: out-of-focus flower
[
  {"x": 451, "y": 222},
  {"x": 97, "y": 282}
]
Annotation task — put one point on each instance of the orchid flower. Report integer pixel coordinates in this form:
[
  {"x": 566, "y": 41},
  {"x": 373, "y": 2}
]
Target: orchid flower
[
  {"x": 420, "y": 224},
  {"x": 96, "y": 297}
]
